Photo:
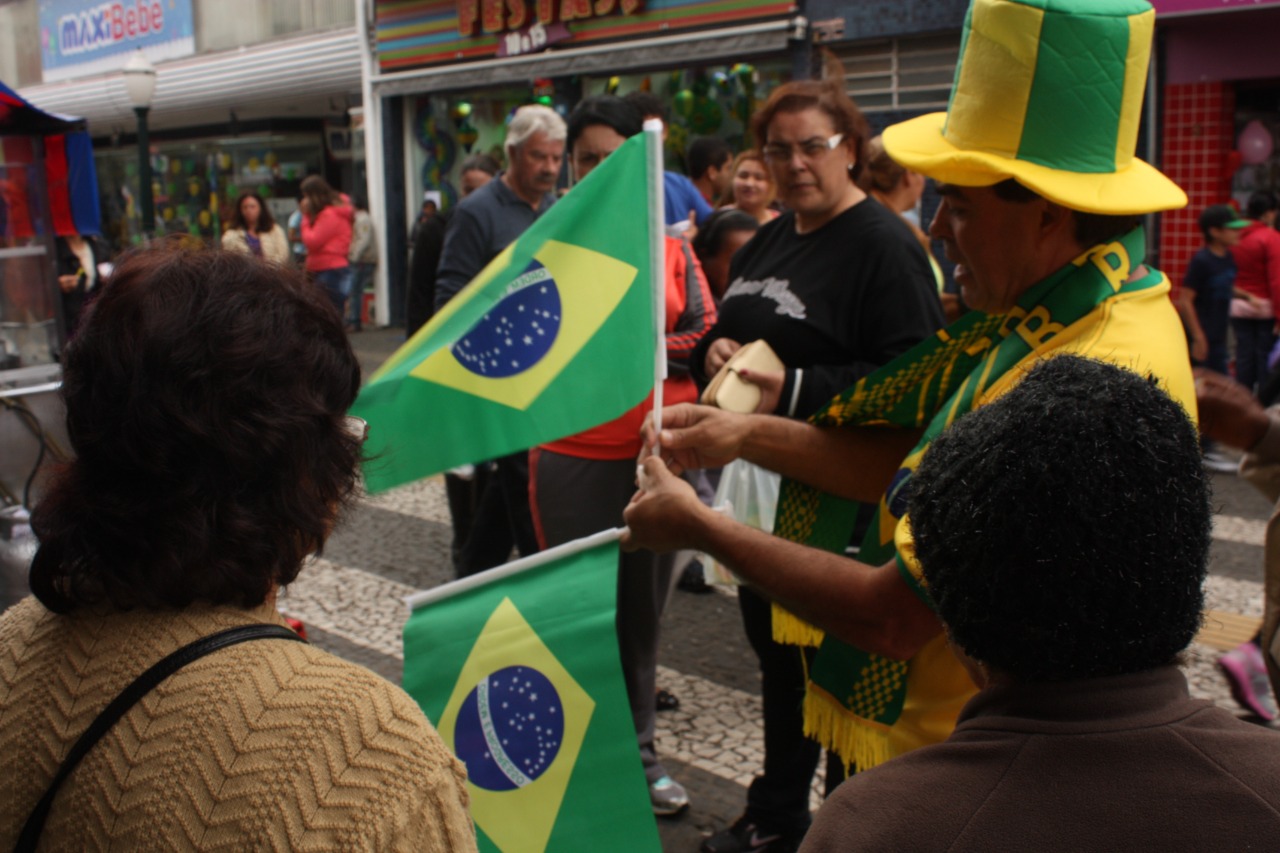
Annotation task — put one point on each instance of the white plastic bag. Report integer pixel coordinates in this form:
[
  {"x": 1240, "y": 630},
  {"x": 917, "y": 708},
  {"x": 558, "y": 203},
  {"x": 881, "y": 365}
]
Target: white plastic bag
[{"x": 747, "y": 493}]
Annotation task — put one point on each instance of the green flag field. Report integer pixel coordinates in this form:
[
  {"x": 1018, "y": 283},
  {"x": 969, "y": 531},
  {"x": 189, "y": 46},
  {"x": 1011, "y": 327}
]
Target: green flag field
[
  {"x": 518, "y": 669},
  {"x": 555, "y": 336}
]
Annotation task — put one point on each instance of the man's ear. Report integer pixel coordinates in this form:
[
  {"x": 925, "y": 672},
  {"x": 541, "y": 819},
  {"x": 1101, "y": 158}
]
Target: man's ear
[{"x": 1055, "y": 219}]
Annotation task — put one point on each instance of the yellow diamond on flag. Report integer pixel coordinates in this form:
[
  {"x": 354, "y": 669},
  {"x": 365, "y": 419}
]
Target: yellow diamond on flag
[
  {"x": 547, "y": 314},
  {"x": 516, "y": 719}
]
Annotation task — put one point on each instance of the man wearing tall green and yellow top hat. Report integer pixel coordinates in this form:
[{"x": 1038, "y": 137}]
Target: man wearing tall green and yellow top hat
[{"x": 1042, "y": 198}]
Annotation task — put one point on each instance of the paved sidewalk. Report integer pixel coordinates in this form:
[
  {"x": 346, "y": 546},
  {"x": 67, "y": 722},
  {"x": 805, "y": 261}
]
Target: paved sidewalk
[{"x": 397, "y": 543}]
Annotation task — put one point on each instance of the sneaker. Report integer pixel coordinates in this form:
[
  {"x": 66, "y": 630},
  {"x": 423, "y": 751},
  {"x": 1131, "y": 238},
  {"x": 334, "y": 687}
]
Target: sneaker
[
  {"x": 668, "y": 796},
  {"x": 692, "y": 579},
  {"x": 747, "y": 837},
  {"x": 1216, "y": 461},
  {"x": 1247, "y": 675}
]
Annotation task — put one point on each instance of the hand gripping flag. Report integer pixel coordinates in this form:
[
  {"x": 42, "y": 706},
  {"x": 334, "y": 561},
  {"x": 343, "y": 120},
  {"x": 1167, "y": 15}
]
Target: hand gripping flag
[
  {"x": 555, "y": 336},
  {"x": 518, "y": 669}
]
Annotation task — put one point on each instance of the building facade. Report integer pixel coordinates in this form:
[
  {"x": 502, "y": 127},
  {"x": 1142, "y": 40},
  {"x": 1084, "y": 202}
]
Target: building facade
[
  {"x": 391, "y": 95},
  {"x": 249, "y": 96},
  {"x": 1219, "y": 94}
]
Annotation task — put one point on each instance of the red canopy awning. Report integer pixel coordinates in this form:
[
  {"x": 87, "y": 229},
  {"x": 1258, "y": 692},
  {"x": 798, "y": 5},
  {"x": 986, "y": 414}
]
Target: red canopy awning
[{"x": 68, "y": 163}]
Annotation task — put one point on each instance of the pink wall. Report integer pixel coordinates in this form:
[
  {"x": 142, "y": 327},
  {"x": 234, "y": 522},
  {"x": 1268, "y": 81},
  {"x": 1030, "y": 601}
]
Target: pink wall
[
  {"x": 1175, "y": 7},
  {"x": 1238, "y": 46}
]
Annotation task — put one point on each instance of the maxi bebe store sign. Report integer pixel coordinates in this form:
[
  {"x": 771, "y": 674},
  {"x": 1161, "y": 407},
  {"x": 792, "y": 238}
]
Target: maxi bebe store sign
[
  {"x": 81, "y": 37},
  {"x": 434, "y": 32}
]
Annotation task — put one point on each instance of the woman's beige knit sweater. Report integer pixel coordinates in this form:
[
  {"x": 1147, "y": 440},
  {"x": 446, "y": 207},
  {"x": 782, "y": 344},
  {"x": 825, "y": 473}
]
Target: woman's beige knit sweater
[{"x": 265, "y": 745}]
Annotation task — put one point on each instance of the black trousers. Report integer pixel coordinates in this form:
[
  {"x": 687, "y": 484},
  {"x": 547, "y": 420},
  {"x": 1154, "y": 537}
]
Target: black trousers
[
  {"x": 778, "y": 799},
  {"x": 500, "y": 519}
]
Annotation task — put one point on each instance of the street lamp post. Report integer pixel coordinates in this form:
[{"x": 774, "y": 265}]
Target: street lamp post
[{"x": 140, "y": 83}]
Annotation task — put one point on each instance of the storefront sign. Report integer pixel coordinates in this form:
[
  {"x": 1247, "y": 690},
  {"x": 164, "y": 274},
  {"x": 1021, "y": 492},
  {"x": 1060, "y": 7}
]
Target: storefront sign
[
  {"x": 532, "y": 39},
  {"x": 81, "y": 37},
  {"x": 415, "y": 33},
  {"x": 500, "y": 16}
]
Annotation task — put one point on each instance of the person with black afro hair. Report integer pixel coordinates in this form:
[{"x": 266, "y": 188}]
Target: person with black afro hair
[
  {"x": 1064, "y": 534},
  {"x": 1064, "y": 531}
]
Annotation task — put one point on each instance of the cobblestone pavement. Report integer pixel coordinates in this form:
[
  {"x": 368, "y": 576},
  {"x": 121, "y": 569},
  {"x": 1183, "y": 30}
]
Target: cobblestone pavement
[{"x": 397, "y": 543}]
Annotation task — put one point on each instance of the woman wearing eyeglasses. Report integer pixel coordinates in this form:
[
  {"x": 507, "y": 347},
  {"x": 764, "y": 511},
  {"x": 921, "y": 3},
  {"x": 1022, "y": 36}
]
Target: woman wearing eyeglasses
[
  {"x": 206, "y": 399},
  {"x": 837, "y": 286}
]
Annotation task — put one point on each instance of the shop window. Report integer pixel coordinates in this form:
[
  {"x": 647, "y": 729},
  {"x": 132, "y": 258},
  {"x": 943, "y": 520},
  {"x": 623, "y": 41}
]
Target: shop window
[
  {"x": 195, "y": 183},
  {"x": 912, "y": 74}
]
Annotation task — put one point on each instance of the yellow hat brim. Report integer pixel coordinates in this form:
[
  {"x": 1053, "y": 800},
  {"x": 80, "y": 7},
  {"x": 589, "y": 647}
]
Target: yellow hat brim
[{"x": 918, "y": 144}]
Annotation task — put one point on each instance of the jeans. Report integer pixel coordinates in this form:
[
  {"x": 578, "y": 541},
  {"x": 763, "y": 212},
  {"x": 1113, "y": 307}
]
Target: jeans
[
  {"x": 361, "y": 275},
  {"x": 1254, "y": 340},
  {"x": 1217, "y": 358},
  {"x": 337, "y": 284}
]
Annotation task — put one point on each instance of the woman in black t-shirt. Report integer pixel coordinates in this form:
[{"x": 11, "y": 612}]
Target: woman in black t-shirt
[{"x": 837, "y": 286}]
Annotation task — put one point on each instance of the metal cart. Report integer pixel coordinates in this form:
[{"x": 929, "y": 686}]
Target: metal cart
[{"x": 48, "y": 188}]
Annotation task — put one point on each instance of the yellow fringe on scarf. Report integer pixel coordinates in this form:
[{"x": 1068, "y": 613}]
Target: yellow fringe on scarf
[
  {"x": 791, "y": 630},
  {"x": 854, "y": 739}
]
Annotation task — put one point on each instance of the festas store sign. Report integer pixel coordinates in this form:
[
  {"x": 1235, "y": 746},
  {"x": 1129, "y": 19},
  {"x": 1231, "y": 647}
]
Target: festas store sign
[{"x": 502, "y": 16}]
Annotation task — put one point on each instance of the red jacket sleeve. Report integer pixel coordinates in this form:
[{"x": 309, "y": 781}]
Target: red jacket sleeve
[
  {"x": 317, "y": 233},
  {"x": 691, "y": 310}
]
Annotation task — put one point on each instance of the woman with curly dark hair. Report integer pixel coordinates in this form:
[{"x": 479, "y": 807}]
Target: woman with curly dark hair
[{"x": 206, "y": 398}]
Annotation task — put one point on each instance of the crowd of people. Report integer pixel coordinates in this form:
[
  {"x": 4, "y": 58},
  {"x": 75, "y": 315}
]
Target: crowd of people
[
  {"x": 991, "y": 534},
  {"x": 330, "y": 235}
]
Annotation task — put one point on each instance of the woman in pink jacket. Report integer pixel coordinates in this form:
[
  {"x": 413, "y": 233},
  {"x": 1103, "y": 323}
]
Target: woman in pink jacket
[{"x": 326, "y": 232}]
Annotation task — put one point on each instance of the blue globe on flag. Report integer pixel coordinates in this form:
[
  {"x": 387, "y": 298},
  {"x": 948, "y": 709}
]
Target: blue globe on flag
[
  {"x": 510, "y": 729},
  {"x": 518, "y": 331},
  {"x": 899, "y": 492}
]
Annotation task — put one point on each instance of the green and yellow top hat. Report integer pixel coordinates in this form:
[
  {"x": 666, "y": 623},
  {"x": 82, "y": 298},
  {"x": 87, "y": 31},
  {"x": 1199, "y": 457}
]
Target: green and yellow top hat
[{"x": 1048, "y": 92}]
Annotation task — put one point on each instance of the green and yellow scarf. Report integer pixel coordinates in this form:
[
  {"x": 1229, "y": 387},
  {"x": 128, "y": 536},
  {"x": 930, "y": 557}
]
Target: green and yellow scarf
[{"x": 856, "y": 697}]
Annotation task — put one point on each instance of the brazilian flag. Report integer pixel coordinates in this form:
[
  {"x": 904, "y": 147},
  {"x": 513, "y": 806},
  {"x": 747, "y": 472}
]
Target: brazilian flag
[
  {"x": 518, "y": 669},
  {"x": 555, "y": 336}
]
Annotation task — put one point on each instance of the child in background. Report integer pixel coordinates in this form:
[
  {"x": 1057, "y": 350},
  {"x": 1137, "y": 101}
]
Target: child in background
[{"x": 1205, "y": 302}]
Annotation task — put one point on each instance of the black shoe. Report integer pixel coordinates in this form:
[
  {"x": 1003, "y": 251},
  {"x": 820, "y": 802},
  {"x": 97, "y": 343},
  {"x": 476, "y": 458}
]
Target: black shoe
[
  {"x": 692, "y": 579},
  {"x": 665, "y": 700},
  {"x": 746, "y": 837}
]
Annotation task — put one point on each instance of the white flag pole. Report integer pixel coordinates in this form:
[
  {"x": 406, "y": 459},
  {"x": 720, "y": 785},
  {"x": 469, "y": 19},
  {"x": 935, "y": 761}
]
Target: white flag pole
[
  {"x": 448, "y": 590},
  {"x": 657, "y": 262}
]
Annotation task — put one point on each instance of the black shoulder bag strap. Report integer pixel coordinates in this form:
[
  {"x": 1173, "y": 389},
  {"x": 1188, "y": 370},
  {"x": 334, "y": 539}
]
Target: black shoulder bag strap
[{"x": 129, "y": 697}]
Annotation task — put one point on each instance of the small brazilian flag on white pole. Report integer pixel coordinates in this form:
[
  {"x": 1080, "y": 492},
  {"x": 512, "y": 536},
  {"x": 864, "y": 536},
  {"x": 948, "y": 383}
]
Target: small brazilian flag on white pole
[
  {"x": 518, "y": 669},
  {"x": 555, "y": 336}
]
